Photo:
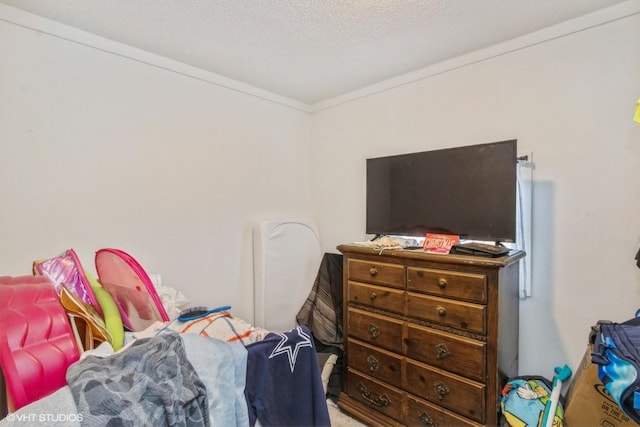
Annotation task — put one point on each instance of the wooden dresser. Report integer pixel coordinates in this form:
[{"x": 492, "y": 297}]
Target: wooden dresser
[{"x": 430, "y": 339}]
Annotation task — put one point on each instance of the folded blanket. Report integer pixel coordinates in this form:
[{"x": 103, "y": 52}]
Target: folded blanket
[{"x": 151, "y": 383}]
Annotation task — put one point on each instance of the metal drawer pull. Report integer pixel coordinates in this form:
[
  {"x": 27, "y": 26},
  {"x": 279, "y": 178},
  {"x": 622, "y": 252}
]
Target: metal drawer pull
[
  {"x": 442, "y": 283},
  {"x": 427, "y": 420},
  {"x": 381, "y": 401},
  {"x": 441, "y": 311},
  {"x": 373, "y": 271},
  {"x": 373, "y": 363},
  {"x": 373, "y": 330},
  {"x": 373, "y": 296},
  {"x": 441, "y": 389},
  {"x": 442, "y": 351}
]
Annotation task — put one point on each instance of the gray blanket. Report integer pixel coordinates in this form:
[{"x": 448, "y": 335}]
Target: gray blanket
[
  {"x": 151, "y": 383},
  {"x": 322, "y": 310}
]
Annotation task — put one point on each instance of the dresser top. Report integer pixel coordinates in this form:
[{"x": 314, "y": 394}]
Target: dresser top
[{"x": 421, "y": 255}]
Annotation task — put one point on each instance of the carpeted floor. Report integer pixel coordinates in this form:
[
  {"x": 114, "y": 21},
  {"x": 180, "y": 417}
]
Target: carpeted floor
[{"x": 339, "y": 418}]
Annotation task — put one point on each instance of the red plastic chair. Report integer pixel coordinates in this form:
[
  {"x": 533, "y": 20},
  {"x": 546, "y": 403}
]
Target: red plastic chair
[{"x": 36, "y": 342}]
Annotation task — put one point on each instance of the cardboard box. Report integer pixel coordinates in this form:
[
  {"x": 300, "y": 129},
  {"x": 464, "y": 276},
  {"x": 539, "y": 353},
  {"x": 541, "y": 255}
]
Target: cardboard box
[{"x": 587, "y": 402}]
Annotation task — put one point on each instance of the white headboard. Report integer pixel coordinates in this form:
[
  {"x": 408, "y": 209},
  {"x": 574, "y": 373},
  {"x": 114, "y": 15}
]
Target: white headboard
[{"x": 286, "y": 257}]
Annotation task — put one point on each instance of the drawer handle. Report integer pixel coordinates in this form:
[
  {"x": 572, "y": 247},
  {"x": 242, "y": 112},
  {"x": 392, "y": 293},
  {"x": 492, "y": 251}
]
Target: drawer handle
[
  {"x": 373, "y": 296},
  {"x": 441, "y": 389},
  {"x": 442, "y": 283},
  {"x": 380, "y": 401},
  {"x": 441, "y": 311},
  {"x": 426, "y": 420},
  {"x": 373, "y": 363},
  {"x": 420, "y": 273},
  {"x": 373, "y": 271},
  {"x": 442, "y": 351},
  {"x": 374, "y": 331}
]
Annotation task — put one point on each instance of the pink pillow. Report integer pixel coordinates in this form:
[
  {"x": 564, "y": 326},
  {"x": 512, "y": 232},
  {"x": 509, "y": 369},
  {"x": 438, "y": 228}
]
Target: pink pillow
[{"x": 36, "y": 342}]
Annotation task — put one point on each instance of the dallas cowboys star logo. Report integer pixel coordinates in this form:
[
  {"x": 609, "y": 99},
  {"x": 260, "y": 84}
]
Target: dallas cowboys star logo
[{"x": 290, "y": 348}]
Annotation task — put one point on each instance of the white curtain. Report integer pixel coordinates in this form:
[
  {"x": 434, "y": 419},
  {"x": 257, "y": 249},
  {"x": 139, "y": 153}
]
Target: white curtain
[{"x": 523, "y": 222}]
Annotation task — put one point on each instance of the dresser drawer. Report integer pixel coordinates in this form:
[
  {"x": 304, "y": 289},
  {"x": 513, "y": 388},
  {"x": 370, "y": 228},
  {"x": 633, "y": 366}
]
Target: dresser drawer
[
  {"x": 460, "y": 355},
  {"x": 375, "y": 329},
  {"x": 459, "y": 285},
  {"x": 456, "y": 393},
  {"x": 428, "y": 338},
  {"x": 375, "y": 394},
  {"x": 376, "y": 272},
  {"x": 457, "y": 314},
  {"x": 380, "y": 364},
  {"x": 377, "y": 296},
  {"x": 421, "y": 413}
]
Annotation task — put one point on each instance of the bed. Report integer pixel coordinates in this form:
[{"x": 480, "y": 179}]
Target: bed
[
  {"x": 214, "y": 370},
  {"x": 166, "y": 377}
]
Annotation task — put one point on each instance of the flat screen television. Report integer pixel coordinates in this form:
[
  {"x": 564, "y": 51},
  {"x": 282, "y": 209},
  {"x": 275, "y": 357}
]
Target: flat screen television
[{"x": 468, "y": 191}]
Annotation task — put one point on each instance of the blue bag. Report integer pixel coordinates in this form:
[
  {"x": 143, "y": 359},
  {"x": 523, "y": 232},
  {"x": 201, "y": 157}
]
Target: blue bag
[
  {"x": 616, "y": 351},
  {"x": 525, "y": 399}
]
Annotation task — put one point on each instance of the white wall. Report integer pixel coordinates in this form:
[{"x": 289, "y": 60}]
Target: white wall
[
  {"x": 568, "y": 95},
  {"x": 102, "y": 145},
  {"x": 98, "y": 149}
]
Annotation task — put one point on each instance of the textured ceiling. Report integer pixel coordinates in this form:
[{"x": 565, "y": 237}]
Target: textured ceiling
[{"x": 310, "y": 50}]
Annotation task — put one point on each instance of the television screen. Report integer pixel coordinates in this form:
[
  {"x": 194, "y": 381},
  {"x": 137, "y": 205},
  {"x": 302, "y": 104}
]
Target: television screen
[{"x": 468, "y": 191}]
